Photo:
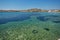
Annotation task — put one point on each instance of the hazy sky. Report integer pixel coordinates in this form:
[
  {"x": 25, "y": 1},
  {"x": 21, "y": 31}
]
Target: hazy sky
[{"x": 27, "y": 4}]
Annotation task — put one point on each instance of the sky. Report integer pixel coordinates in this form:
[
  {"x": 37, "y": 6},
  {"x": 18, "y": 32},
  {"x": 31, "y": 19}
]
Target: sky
[{"x": 28, "y": 4}]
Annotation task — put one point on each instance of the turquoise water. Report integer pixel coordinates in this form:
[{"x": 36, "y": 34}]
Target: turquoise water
[{"x": 29, "y": 26}]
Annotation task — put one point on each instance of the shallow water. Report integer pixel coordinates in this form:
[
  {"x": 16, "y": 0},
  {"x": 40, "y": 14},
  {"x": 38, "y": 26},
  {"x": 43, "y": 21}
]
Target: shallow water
[{"x": 29, "y": 26}]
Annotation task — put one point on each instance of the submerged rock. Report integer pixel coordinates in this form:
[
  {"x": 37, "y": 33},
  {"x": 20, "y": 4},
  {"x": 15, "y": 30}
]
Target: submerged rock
[
  {"x": 34, "y": 31},
  {"x": 56, "y": 21},
  {"x": 47, "y": 29}
]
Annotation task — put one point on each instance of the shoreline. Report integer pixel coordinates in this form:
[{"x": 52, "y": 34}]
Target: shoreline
[
  {"x": 43, "y": 12},
  {"x": 30, "y": 10}
]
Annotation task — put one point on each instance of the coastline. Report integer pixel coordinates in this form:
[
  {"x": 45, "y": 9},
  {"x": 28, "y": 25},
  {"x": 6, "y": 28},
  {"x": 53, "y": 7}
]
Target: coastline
[{"x": 31, "y": 10}]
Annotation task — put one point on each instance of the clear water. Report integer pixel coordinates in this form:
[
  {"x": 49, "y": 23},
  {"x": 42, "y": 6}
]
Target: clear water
[{"x": 29, "y": 26}]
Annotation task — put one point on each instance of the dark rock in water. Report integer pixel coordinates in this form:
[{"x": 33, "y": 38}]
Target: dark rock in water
[
  {"x": 47, "y": 29},
  {"x": 42, "y": 18},
  {"x": 30, "y": 20},
  {"x": 3, "y": 39},
  {"x": 56, "y": 21},
  {"x": 34, "y": 31}
]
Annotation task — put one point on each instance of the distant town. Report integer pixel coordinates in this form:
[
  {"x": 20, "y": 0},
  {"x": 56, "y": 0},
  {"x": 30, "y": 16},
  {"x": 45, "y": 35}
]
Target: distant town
[{"x": 31, "y": 10}]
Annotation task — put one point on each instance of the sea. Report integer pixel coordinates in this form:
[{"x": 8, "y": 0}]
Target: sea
[{"x": 29, "y": 25}]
